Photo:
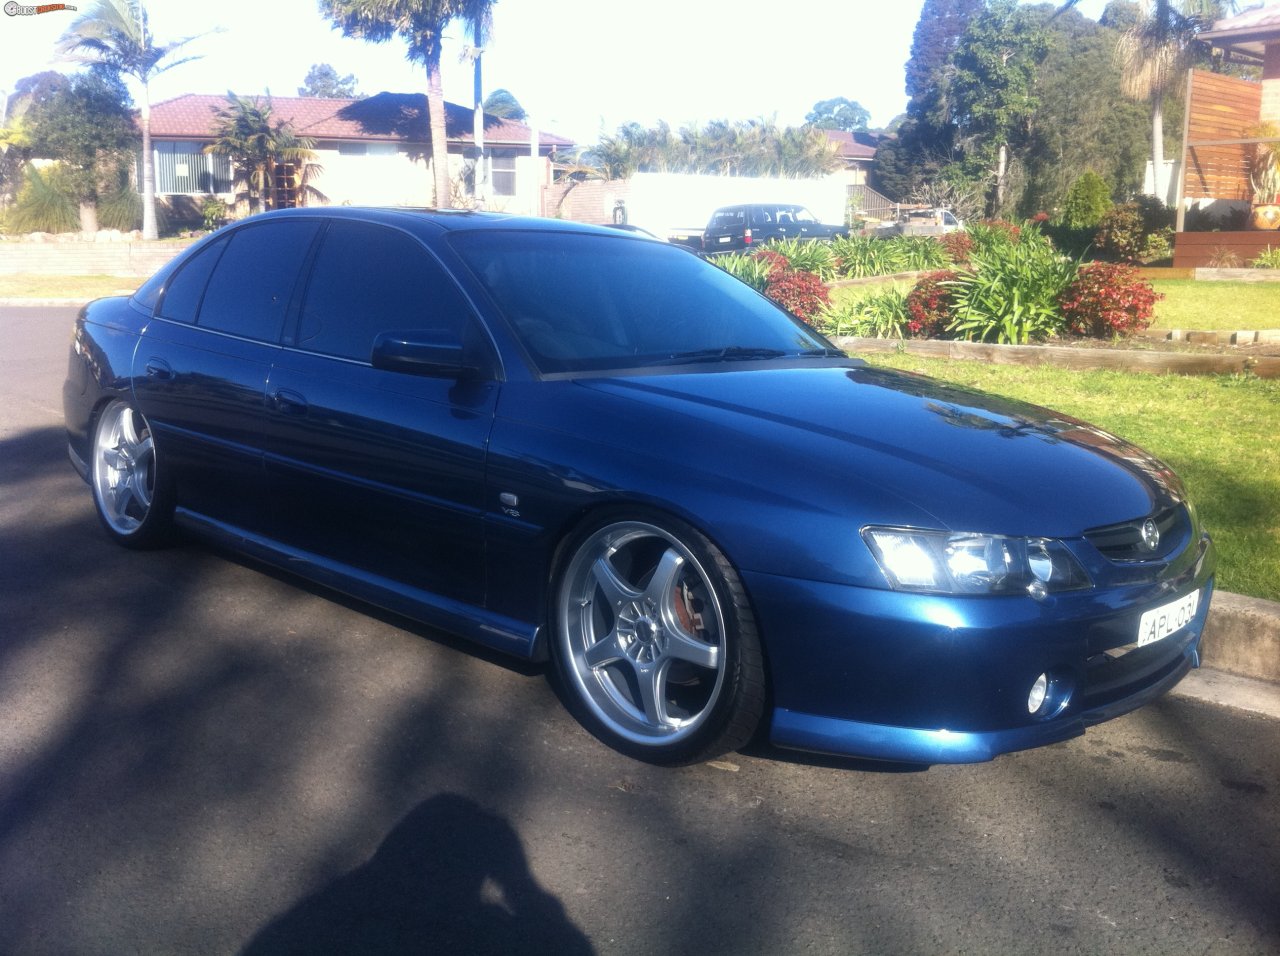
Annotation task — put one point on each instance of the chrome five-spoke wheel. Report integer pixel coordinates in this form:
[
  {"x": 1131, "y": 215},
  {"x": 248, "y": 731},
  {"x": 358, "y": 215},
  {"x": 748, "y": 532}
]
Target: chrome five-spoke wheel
[
  {"x": 657, "y": 643},
  {"x": 124, "y": 476}
]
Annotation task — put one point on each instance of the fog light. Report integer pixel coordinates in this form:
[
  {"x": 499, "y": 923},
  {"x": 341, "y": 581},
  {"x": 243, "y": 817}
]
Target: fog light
[{"x": 1039, "y": 691}]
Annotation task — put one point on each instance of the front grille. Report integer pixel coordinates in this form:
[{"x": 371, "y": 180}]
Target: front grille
[{"x": 1123, "y": 542}]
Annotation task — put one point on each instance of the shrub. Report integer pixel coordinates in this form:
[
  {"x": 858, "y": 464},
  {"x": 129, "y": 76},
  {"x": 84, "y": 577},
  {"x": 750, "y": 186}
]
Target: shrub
[
  {"x": 1120, "y": 235},
  {"x": 1270, "y": 259},
  {"x": 1087, "y": 202},
  {"x": 1125, "y": 233},
  {"x": 752, "y": 269},
  {"x": 861, "y": 257},
  {"x": 929, "y": 305},
  {"x": 213, "y": 212},
  {"x": 806, "y": 255},
  {"x": 993, "y": 238},
  {"x": 1106, "y": 300},
  {"x": 44, "y": 203},
  {"x": 879, "y": 315},
  {"x": 922, "y": 252},
  {"x": 1010, "y": 294},
  {"x": 1224, "y": 257},
  {"x": 957, "y": 246},
  {"x": 803, "y": 294}
]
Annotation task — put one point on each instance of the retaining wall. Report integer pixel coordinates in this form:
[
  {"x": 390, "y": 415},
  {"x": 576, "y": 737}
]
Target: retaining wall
[{"x": 87, "y": 257}]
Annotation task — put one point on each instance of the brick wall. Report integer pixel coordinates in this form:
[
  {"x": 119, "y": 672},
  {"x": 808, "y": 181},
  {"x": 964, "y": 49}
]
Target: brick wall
[{"x": 80, "y": 258}]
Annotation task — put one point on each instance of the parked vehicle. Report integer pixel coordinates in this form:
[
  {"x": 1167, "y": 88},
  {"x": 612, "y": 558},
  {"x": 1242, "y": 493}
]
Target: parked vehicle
[
  {"x": 570, "y": 443},
  {"x": 922, "y": 222},
  {"x": 752, "y": 224}
]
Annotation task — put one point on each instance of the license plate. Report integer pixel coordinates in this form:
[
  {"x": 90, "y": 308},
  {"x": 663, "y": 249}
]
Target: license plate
[
  {"x": 725, "y": 239},
  {"x": 1167, "y": 619}
]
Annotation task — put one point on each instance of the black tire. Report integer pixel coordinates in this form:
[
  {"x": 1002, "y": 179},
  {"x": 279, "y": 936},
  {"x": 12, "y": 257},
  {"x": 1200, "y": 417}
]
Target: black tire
[
  {"x": 131, "y": 493},
  {"x": 654, "y": 640}
]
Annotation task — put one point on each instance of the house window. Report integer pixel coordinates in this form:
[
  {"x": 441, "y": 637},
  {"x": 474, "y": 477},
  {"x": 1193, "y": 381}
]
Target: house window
[
  {"x": 285, "y": 180},
  {"x": 503, "y": 177},
  {"x": 186, "y": 168},
  {"x": 351, "y": 149}
]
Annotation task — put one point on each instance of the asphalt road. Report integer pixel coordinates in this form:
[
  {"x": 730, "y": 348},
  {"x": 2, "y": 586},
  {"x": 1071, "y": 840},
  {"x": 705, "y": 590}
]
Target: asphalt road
[{"x": 197, "y": 756}]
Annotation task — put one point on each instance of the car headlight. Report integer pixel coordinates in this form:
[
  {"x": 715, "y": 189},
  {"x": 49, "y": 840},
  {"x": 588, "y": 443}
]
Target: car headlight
[{"x": 944, "y": 562}]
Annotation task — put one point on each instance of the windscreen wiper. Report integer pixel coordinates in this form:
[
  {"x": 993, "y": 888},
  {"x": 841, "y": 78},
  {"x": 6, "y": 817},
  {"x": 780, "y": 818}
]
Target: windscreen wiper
[{"x": 728, "y": 353}]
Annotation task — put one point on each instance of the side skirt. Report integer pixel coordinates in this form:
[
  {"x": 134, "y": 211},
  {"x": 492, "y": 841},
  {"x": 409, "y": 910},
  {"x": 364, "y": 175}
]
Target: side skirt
[{"x": 494, "y": 631}]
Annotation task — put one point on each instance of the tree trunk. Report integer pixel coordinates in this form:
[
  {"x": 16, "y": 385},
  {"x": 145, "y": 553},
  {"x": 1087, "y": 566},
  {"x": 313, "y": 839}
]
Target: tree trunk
[
  {"x": 149, "y": 227},
  {"x": 89, "y": 216},
  {"x": 1157, "y": 149},
  {"x": 481, "y": 187},
  {"x": 1002, "y": 168},
  {"x": 439, "y": 141}
]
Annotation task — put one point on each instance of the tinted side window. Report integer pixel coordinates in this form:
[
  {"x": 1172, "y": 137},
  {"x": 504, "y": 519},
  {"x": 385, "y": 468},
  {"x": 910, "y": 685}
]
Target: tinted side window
[
  {"x": 254, "y": 280},
  {"x": 369, "y": 279},
  {"x": 182, "y": 295}
]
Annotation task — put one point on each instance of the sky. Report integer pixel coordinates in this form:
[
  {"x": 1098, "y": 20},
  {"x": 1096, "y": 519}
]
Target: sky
[{"x": 580, "y": 70}]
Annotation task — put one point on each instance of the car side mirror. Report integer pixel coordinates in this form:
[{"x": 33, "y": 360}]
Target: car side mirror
[{"x": 437, "y": 353}]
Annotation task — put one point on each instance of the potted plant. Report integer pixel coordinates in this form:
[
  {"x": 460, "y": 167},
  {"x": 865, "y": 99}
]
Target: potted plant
[{"x": 1265, "y": 178}]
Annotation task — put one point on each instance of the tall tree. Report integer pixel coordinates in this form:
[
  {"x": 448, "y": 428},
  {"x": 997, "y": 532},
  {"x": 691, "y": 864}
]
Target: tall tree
[
  {"x": 839, "y": 113},
  {"x": 88, "y": 128},
  {"x": 937, "y": 35},
  {"x": 502, "y": 103},
  {"x": 1154, "y": 54},
  {"x": 421, "y": 24},
  {"x": 15, "y": 137},
  {"x": 1083, "y": 121},
  {"x": 924, "y": 151},
  {"x": 993, "y": 89},
  {"x": 258, "y": 145},
  {"x": 322, "y": 80},
  {"x": 116, "y": 34}
]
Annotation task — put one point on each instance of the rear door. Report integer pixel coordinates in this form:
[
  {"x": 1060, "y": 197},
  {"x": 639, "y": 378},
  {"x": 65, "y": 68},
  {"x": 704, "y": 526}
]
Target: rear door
[
  {"x": 377, "y": 470},
  {"x": 726, "y": 229},
  {"x": 201, "y": 366}
]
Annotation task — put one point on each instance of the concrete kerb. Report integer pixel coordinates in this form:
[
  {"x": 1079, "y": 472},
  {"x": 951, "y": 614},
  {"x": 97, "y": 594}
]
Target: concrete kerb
[{"x": 1242, "y": 636}]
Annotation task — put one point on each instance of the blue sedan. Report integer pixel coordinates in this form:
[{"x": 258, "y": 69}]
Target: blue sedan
[{"x": 577, "y": 445}]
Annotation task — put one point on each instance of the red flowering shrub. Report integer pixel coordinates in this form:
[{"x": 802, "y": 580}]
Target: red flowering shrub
[
  {"x": 1106, "y": 300},
  {"x": 1012, "y": 231},
  {"x": 803, "y": 294},
  {"x": 777, "y": 262},
  {"x": 1040, "y": 218},
  {"x": 957, "y": 246},
  {"x": 929, "y": 304}
]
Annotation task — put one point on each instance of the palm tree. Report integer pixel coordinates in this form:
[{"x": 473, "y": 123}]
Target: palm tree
[
  {"x": 1154, "y": 55},
  {"x": 115, "y": 34},
  {"x": 421, "y": 24},
  {"x": 257, "y": 148}
]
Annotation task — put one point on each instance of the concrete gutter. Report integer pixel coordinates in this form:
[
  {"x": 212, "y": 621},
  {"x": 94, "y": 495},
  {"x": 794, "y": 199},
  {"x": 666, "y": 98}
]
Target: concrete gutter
[{"x": 1242, "y": 637}]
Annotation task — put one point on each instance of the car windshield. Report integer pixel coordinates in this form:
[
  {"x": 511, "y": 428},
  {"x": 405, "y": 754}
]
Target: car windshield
[{"x": 582, "y": 302}]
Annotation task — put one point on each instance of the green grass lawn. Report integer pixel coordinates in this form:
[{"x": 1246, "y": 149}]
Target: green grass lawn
[
  {"x": 1217, "y": 306},
  {"x": 1220, "y": 433},
  {"x": 26, "y": 286}
]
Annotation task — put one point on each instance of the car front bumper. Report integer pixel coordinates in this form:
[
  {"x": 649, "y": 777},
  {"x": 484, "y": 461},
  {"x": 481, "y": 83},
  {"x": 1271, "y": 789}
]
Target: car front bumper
[{"x": 937, "y": 679}]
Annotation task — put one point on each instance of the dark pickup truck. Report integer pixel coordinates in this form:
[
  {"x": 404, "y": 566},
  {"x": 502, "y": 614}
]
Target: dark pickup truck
[{"x": 750, "y": 224}]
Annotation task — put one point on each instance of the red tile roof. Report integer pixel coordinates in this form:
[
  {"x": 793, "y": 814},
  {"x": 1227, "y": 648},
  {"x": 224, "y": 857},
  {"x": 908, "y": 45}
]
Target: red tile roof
[
  {"x": 390, "y": 117},
  {"x": 850, "y": 147}
]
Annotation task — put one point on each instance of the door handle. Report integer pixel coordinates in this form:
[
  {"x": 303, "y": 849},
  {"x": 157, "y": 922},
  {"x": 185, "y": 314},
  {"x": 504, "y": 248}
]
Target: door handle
[
  {"x": 289, "y": 402},
  {"x": 159, "y": 370}
]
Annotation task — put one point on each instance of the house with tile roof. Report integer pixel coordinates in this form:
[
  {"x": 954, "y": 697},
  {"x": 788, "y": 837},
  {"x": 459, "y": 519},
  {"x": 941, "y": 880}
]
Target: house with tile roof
[{"x": 374, "y": 150}]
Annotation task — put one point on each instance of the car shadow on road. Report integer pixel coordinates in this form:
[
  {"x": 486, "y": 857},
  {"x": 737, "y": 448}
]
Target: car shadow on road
[{"x": 451, "y": 877}]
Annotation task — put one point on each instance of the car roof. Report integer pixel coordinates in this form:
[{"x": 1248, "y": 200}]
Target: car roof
[{"x": 421, "y": 219}]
